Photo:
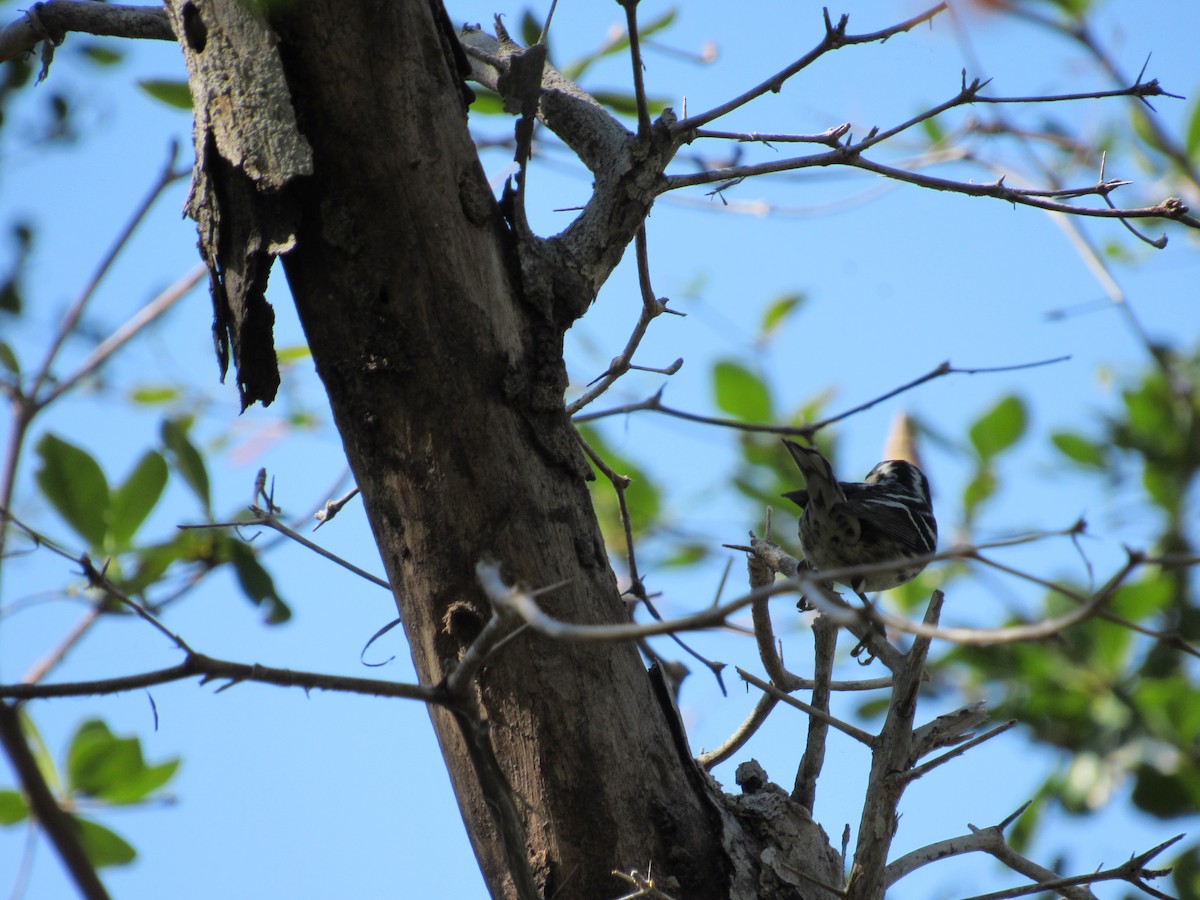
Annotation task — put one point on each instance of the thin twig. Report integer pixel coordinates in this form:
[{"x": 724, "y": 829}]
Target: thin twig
[
  {"x": 635, "y": 57},
  {"x": 742, "y": 734},
  {"x": 209, "y": 668},
  {"x": 863, "y": 737},
  {"x": 268, "y": 520},
  {"x": 652, "y": 308},
  {"x": 115, "y": 341},
  {"x": 655, "y": 404},
  {"x": 835, "y": 38}
]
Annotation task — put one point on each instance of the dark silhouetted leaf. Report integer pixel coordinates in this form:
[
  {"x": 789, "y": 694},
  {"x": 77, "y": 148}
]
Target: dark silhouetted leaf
[{"x": 186, "y": 459}]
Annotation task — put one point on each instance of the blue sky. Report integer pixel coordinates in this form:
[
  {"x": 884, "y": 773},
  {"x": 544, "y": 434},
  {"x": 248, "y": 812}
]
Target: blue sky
[{"x": 328, "y": 796}]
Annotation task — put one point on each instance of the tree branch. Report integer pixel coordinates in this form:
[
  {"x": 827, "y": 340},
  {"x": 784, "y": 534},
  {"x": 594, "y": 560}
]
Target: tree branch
[
  {"x": 835, "y": 38},
  {"x": 52, "y": 20},
  {"x": 59, "y": 826},
  {"x": 208, "y": 669}
]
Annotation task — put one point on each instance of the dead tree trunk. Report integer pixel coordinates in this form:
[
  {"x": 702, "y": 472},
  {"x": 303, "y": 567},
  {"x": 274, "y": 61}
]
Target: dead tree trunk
[{"x": 446, "y": 383}]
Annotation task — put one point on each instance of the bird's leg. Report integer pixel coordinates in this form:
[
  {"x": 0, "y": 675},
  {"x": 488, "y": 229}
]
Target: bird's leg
[{"x": 875, "y": 626}]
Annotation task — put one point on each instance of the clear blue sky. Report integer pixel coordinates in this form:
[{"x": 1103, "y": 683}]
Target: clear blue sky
[{"x": 283, "y": 795}]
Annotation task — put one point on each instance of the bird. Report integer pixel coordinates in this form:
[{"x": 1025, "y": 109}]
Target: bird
[{"x": 886, "y": 518}]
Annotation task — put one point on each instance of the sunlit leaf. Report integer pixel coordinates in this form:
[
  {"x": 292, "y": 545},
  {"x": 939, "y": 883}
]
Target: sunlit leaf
[
  {"x": 292, "y": 354},
  {"x": 1080, "y": 450},
  {"x": 75, "y": 485},
  {"x": 103, "y": 846},
  {"x": 134, "y": 499},
  {"x": 778, "y": 312},
  {"x": 174, "y": 93},
  {"x": 111, "y": 768},
  {"x": 151, "y": 395},
  {"x": 741, "y": 393},
  {"x": 642, "y": 498},
  {"x": 981, "y": 487},
  {"x": 999, "y": 428},
  {"x": 1193, "y": 132},
  {"x": 486, "y": 102},
  {"x": 12, "y": 808}
]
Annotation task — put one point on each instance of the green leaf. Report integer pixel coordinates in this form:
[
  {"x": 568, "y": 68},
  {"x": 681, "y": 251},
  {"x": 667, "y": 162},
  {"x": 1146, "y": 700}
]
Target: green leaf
[
  {"x": 173, "y": 93},
  {"x": 257, "y": 584},
  {"x": 625, "y": 104},
  {"x": 111, "y": 768},
  {"x": 134, "y": 499},
  {"x": 8, "y": 359},
  {"x": 933, "y": 130},
  {"x": 531, "y": 28},
  {"x": 186, "y": 459},
  {"x": 292, "y": 354},
  {"x": 102, "y": 54},
  {"x": 978, "y": 489},
  {"x": 778, "y": 312},
  {"x": 1164, "y": 794},
  {"x": 642, "y": 498},
  {"x": 12, "y": 808},
  {"x": 486, "y": 102},
  {"x": 1193, "y": 133},
  {"x": 103, "y": 846},
  {"x": 619, "y": 45},
  {"x": 741, "y": 393},
  {"x": 151, "y": 395},
  {"x": 1080, "y": 450},
  {"x": 999, "y": 428},
  {"x": 74, "y": 484}
]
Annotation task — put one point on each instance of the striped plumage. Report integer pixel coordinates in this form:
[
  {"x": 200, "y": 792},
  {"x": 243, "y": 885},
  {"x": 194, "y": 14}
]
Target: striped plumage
[{"x": 886, "y": 518}]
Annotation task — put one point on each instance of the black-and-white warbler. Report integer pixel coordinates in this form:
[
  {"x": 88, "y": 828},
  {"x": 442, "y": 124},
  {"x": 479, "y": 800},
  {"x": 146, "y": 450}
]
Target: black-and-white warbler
[{"x": 886, "y": 518}]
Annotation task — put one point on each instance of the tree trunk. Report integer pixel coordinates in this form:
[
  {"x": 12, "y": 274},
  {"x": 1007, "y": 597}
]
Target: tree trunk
[{"x": 446, "y": 384}]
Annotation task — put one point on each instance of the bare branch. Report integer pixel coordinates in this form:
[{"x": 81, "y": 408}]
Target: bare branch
[
  {"x": 962, "y": 748},
  {"x": 891, "y": 755},
  {"x": 655, "y": 404},
  {"x": 831, "y": 137},
  {"x": 764, "y": 633},
  {"x": 635, "y": 57},
  {"x": 115, "y": 341},
  {"x": 652, "y": 308},
  {"x": 804, "y": 789},
  {"x": 333, "y": 507},
  {"x": 209, "y": 668},
  {"x": 743, "y": 733},
  {"x": 52, "y": 20},
  {"x": 846, "y": 728},
  {"x": 835, "y": 38},
  {"x": 266, "y": 519}
]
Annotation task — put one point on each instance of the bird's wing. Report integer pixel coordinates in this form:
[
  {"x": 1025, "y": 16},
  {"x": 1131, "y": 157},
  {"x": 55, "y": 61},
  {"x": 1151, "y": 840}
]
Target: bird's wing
[{"x": 895, "y": 517}]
